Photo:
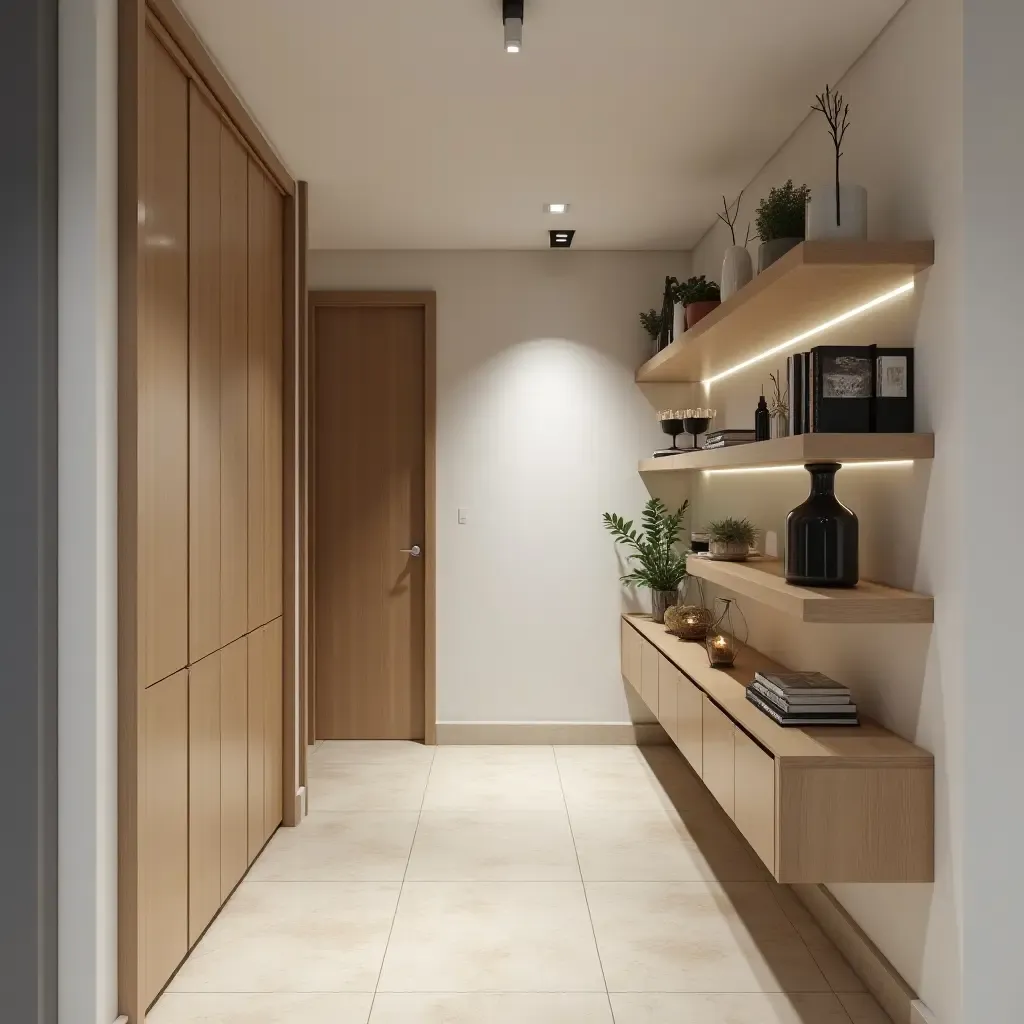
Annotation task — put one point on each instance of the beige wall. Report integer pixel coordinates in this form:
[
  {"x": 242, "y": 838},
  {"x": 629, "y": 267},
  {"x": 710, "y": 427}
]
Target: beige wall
[
  {"x": 905, "y": 145},
  {"x": 539, "y": 430}
]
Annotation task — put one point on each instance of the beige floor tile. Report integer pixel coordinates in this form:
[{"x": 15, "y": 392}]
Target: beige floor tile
[
  {"x": 863, "y": 1009},
  {"x": 628, "y": 846},
  {"x": 367, "y": 787},
  {"x": 372, "y": 752},
  {"x": 630, "y": 786},
  {"x": 496, "y": 753},
  {"x": 262, "y": 1008},
  {"x": 728, "y": 1008},
  {"x": 294, "y": 937},
  {"x": 492, "y": 1008},
  {"x": 340, "y": 846},
  {"x": 605, "y": 754},
  {"x": 487, "y": 786},
  {"x": 504, "y": 846},
  {"x": 698, "y": 937},
  {"x": 492, "y": 937}
]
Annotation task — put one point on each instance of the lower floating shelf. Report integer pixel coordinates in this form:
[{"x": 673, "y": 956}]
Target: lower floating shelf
[{"x": 763, "y": 580}]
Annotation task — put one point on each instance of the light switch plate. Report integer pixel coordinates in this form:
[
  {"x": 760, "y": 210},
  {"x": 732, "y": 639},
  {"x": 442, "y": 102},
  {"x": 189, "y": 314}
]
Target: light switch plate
[{"x": 463, "y": 516}]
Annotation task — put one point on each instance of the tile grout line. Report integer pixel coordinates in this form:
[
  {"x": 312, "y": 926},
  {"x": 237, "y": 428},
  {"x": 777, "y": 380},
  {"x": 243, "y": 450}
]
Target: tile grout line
[
  {"x": 401, "y": 888},
  {"x": 583, "y": 884}
]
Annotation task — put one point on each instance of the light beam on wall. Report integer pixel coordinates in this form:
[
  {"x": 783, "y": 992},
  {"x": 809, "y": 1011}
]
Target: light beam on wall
[{"x": 850, "y": 314}]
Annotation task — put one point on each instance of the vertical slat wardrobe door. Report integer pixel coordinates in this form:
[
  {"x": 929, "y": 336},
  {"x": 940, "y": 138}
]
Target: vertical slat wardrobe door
[
  {"x": 204, "y": 378},
  {"x": 163, "y": 370},
  {"x": 234, "y": 384},
  {"x": 256, "y": 713},
  {"x": 273, "y": 728},
  {"x": 164, "y": 830},
  {"x": 234, "y": 765},
  {"x": 273, "y": 384},
  {"x": 204, "y": 789}
]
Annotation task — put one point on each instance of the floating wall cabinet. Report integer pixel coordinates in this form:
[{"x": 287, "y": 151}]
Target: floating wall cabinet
[
  {"x": 816, "y": 805},
  {"x": 201, "y": 509}
]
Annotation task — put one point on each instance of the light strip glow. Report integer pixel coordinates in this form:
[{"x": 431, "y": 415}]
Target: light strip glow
[
  {"x": 799, "y": 465},
  {"x": 828, "y": 325}
]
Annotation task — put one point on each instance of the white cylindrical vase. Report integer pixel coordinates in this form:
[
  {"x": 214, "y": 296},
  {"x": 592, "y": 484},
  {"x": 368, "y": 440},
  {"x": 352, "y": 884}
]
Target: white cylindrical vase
[
  {"x": 737, "y": 270},
  {"x": 678, "y": 320},
  {"x": 849, "y": 220}
]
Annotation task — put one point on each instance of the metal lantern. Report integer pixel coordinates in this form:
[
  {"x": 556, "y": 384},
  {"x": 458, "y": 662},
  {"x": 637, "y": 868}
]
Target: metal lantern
[
  {"x": 690, "y": 620},
  {"x": 727, "y": 634}
]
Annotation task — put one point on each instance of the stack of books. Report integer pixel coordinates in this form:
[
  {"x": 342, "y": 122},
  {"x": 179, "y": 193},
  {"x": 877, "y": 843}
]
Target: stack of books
[
  {"x": 727, "y": 438},
  {"x": 802, "y": 698}
]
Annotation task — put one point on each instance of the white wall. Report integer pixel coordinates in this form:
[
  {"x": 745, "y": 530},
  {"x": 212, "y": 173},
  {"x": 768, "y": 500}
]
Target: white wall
[
  {"x": 539, "y": 430},
  {"x": 87, "y": 522},
  {"x": 905, "y": 144}
]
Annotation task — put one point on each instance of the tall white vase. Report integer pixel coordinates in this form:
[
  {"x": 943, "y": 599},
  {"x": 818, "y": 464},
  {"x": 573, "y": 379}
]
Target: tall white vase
[
  {"x": 852, "y": 218},
  {"x": 737, "y": 270},
  {"x": 678, "y": 320}
]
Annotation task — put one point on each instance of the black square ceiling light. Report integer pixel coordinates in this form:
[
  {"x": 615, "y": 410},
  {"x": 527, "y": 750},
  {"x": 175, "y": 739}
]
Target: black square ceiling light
[{"x": 561, "y": 239}]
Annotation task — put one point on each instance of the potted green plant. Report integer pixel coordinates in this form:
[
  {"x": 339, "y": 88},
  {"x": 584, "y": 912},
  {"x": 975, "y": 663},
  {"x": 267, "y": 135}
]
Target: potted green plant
[
  {"x": 659, "y": 567},
  {"x": 698, "y": 296},
  {"x": 780, "y": 221},
  {"x": 651, "y": 321},
  {"x": 731, "y": 539}
]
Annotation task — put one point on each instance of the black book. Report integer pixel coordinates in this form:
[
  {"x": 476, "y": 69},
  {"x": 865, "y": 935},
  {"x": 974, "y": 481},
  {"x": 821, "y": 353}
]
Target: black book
[
  {"x": 783, "y": 719},
  {"x": 728, "y": 443},
  {"x": 894, "y": 390},
  {"x": 836, "y": 706},
  {"x": 842, "y": 386},
  {"x": 718, "y": 435},
  {"x": 805, "y": 392},
  {"x": 795, "y": 393}
]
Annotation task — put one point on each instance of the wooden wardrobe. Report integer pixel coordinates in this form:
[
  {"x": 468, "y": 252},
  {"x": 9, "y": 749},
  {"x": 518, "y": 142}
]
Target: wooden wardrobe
[{"x": 208, "y": 309}]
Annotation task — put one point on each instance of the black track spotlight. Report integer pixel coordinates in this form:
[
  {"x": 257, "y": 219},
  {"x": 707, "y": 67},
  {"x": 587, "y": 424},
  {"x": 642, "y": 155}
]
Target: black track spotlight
[{"x": 512, "y": 17}]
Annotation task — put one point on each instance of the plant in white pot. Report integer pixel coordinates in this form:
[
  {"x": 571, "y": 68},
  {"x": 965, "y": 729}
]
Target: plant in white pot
[
  {"x": 837, "y": 210},
  {"x": 659, "y": 567},
  {"x": 731, "y": 539},
  {"x": 737, "y": 266},
  {"x": 780, "y": 222}
]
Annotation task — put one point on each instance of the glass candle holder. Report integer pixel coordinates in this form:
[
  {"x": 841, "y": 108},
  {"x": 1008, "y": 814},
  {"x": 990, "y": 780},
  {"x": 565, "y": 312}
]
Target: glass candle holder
[{"x": 727, "y": 634}]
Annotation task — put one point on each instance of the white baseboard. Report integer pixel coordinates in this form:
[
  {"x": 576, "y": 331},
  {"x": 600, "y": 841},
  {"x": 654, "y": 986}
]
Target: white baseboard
[
  {"x": 880, "y": 978},
  {"x": 542, "y": 733}
]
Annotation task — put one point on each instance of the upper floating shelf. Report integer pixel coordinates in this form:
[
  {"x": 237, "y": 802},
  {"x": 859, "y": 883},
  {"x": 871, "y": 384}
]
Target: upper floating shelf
[
  {"x": 810, "y": 286},
  {"x": 762, "y": 580},
  {"x": 798, "y": 450}
]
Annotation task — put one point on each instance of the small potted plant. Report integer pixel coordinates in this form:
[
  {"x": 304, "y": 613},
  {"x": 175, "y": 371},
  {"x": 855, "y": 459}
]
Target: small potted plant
[
  {"x": 731, "y": 539},
  {"x": 698, "y": 297},
  {"x": 779, "y": 408},
  {"x": 835, "y": 210},
  {"x": 659, "y": 567},
  {"x": 651, "y": 321},
  {"x": 780, "y": 221}
]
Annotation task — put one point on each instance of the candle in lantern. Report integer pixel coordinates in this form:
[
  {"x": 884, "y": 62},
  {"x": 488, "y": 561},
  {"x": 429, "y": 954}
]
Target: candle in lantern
[{"x": 720, "y": 641}]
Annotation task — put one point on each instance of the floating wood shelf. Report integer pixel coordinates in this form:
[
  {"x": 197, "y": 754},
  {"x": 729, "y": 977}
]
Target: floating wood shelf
[
  {"x": 762, "y": 580},
  {"x": 798, "y": 450},
  {"x": 810, "y": 285},
  {"x": 825, "y": 804}
]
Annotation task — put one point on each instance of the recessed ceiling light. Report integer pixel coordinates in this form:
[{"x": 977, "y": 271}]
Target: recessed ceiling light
[
  {"x": 556, "y": 207},
  {"x": 512, "y": 18}
]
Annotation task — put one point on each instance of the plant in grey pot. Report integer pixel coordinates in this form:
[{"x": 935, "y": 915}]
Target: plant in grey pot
[
  {"x": 837, "y": 210},
  {"x": 658, "y": 566},
  {"x": 780, "y": 220},
  {"x": 651, "y": 321},
  {"x": 731, "y": 539}
]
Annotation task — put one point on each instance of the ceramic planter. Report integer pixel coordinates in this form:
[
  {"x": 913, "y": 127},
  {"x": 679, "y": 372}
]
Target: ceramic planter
[
  {"x": 779, "y": 425},
  {"x": 769, "y": 252},
  {"x": 678, "y": 320},
  {"x": 661, "y": 601},
  {"x": 850, "y": 220},
  {"x": 729, "y": 551},
  {"x": 696, "y": 311},
  {"x": 737, "y": 270}
]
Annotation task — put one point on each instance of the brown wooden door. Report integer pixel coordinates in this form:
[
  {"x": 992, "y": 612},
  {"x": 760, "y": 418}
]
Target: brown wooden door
[{"x": 369, "y": 506}]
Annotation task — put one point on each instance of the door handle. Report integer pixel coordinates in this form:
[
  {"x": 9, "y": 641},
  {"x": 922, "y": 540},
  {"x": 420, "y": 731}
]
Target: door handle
[{"x": 414, "y": 552}]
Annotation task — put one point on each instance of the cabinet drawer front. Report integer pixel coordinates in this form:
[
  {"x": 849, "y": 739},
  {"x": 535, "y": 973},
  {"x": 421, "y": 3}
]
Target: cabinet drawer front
[
  {"x": 719, "y": 756},
  {"x": 689, "y": 722},
  {"x": 649, "y": 662},
  {"x": 630, "y": 655},
  {"x": 668, "y": 683},
  {"x": 755, "y": 797}
]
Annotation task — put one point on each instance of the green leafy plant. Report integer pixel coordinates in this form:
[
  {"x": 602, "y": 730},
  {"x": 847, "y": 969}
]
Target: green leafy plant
[
  {"x": 658, "y": 565},
  {"x": 652, "y": 323},
  {"x": 781, "y": 213},
  {"x": 732, "y": 531},
  {"x": 695, "y": 289}
]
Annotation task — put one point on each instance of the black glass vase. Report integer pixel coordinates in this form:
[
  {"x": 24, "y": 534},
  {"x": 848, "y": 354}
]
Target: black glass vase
[{"x": 821, "y": 535}]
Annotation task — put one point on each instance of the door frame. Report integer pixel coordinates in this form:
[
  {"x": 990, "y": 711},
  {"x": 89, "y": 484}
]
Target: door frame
[{"x": 427, "y": 301}]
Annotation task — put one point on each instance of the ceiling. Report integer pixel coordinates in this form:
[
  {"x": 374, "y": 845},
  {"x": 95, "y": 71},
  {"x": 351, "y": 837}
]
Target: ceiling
[{"x": 416, "y": 130}]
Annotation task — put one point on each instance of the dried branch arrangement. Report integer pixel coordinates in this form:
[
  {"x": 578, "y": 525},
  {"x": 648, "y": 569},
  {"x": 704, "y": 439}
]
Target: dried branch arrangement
[{"x": 837, "y": 114}]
